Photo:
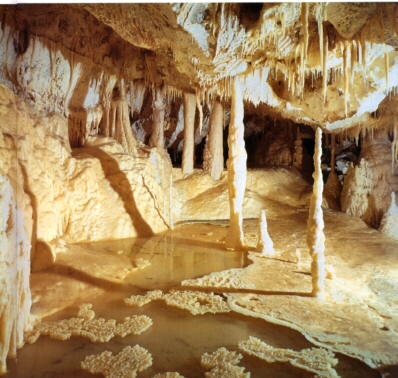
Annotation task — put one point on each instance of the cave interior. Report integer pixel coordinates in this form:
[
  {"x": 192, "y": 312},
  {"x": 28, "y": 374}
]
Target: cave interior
[{"x": 199, "y": 189}]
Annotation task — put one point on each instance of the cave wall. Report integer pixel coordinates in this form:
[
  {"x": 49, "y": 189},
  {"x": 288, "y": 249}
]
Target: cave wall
[{"x": 368, "y": 185}]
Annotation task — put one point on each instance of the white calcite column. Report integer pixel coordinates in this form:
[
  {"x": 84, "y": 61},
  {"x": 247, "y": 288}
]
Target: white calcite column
[
  {"x": 158, "y": 104},
  {"x": 265, "y": 244},
  {"x": 14, "y": 275},
  {"x": 236, "y": 166},
  {"x": 189, "y": 128},
  {"x": 213, "y": 159},
  {"x": 315, "y": 226}
]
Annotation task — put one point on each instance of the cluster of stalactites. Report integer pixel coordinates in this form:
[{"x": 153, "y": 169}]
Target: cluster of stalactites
[{"x": 344, "y": 62}]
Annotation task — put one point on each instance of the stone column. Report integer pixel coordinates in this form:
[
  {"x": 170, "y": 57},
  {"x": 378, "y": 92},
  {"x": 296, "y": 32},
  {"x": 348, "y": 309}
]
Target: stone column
[
  {"x": 236, "y": 168},
  {"x": 189, "y": 128},
  {"x": 158, "y": 104},
  {"x": 315, "y": 225},
  {"x": 213, "y": 159}
]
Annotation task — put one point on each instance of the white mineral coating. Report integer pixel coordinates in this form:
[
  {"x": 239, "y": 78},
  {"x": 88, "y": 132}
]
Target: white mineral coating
[
  {"x": 315, "y": 234},
  {"x": 213, "y": 160},
  {"x": 236, "y": 166},
  {"x": 189, "y": 127}
]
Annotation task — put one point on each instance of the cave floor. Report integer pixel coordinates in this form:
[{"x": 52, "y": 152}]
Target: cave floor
[{"x": 268, "y": 297}]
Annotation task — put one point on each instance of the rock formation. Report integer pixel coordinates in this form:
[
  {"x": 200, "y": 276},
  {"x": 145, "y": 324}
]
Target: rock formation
[
  {"x": 236, "y": 168},
  {"x": 315, "y": 234},
  {"x": 264, "y": 244}
]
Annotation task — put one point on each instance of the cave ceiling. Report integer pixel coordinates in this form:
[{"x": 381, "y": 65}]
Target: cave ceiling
[{"x": 327, "y": 64}]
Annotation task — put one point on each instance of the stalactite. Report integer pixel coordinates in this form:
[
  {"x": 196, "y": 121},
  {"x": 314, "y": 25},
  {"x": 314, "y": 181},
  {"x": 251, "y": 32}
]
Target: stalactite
[
  {"x": 315, "y": 226},
  {"x": 320, "y": 36},
  {"x": 306, "y": 31},
  {"x": 213, "y": 160},
  {"x": 325, "y": 71},
  {"x": 158, "y": 108},
  {"x": 200, "y": 110},
  {"x": 189, "y": 128},
  {"x": 264, "y": 244},
  {"x": 347, "y": 76},
  {"x": 387, "y": 68},
  {"x": 236, "y": 167}
]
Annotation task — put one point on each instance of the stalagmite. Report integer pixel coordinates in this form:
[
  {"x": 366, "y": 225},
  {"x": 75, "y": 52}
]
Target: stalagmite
[
  {"x": 265, "y": 244},
  {"x": 315, "y": 234},
  {"x": 236, "y": 167},
  {"x": 213, "y": 161},
  {"x": 189, "y": 128},
  {"x": 157, "y": 137}
]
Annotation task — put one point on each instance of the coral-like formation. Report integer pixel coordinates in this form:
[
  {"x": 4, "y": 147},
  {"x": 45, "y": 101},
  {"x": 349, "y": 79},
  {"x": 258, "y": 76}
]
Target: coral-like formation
[
  {"x": 141, "y": 300},
  {"x": 125, "y": 364},
  {"x": 197, "y": 303},
  {"x": 169, "y": 374},
  {"x": 223, "y": 364},
  {"x": 87, "y": 325},
  {"x": 318, "y": 361}
]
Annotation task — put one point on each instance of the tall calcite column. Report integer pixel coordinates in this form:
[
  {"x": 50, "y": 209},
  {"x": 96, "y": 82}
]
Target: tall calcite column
[
  {"x": 236, "y": 168},
  {"x": 315, "y": 234},
  {"x": 15, "y": 293},
  {"x": 189, "y": 128},
  {"x": 213, "y": 160},
  {"x": 158, "y": 104}
]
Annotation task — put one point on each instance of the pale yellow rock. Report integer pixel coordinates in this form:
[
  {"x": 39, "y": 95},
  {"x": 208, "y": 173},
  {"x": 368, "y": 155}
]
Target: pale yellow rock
[
  {"x": 98, "y": 193},
  {"x": 87, "y": 325}
]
